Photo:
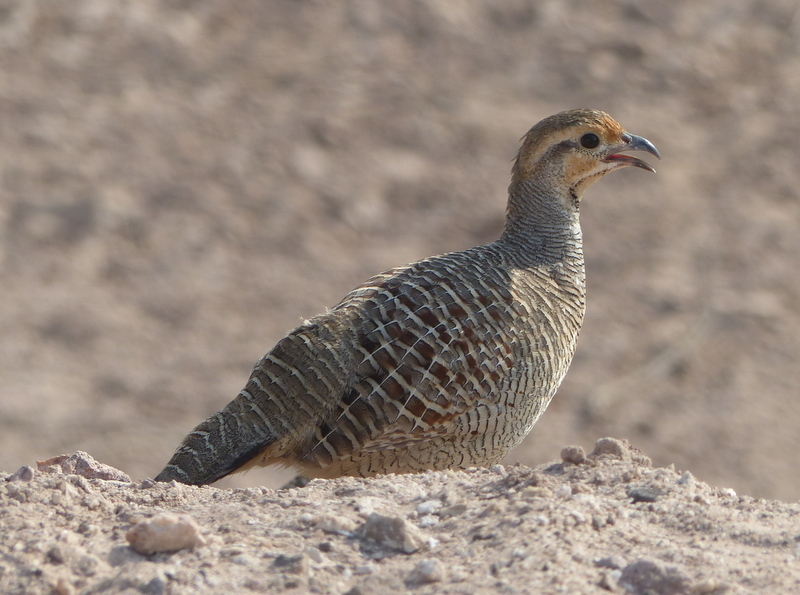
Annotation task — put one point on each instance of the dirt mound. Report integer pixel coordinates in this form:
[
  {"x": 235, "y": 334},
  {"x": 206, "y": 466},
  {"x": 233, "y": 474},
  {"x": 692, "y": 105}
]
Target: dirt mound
[{"x": 607, "y": 521}]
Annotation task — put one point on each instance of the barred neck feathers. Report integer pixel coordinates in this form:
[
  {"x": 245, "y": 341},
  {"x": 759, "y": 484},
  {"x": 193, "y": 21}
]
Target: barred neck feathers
[{"x": 559, "y": 159}]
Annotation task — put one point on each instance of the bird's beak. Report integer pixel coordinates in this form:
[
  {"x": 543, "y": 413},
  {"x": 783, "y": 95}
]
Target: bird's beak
[{"x": 632, "y": 143}]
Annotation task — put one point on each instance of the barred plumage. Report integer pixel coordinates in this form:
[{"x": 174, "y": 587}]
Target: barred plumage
[{"x": 444, "y": 363}]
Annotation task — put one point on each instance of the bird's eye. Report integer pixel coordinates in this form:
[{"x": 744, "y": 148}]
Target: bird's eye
[{"x": 590, "y": 140}]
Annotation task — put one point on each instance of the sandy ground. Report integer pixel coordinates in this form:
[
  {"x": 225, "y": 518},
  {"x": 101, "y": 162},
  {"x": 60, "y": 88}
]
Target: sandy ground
[
  {"x": 182, "y": 182},
  {"x": 606, "y": 523}
]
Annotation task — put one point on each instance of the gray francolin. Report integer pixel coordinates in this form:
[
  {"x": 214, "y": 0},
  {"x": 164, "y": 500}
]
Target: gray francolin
[{"x": 446, "y": 363}]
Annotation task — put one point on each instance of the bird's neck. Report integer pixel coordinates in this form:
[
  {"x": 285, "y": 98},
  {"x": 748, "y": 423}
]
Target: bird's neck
[{"x": 542, "y": 222}]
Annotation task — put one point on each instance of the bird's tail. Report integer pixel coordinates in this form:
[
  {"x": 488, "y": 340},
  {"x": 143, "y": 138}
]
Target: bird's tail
[{"x": 219, "y": 446}]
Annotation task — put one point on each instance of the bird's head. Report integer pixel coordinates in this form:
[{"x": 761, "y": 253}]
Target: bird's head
[{"x": 574, "y": 149}]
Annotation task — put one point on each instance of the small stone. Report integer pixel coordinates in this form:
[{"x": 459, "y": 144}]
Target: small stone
[
  {"x": 686, "y": 479},
  {"x": 244, "y": 560},
  {"x": 426, "y": 572},
  {"x": 24, "y": 473},
  {"x": 428, "y": 507},
  {"x": 364, "y": 570},
  {"x": 428, "y": 520},
  {"x": 83, "y": 464},
  {"x": 573, "y": 454},
  {"x": 609, "y": 581},
  {"x": 63, "y": 587},
  {"x": 291, "y": 564},
  {"x": 642, "y": 494},
  {"x": 646, "y": 576},
  {"x": 598, "y": 522},
  {"x": 614, "y": 562},
  {"x": 336, "y": 524},
  {"x": 454, "y": 510},
  {"x": 394, "y": 533},
  {"x": 55, "y": 555},
  {"x": 612, "y": 447},
  {"x": 306, "y": 518},
  {"x": 154, "y": 586},
  {"x": 578, "y": 516},
  {"x": 87, "y": 564},
  {"x": 164, "y": 533},
  {"x": 314, "y": 554}
]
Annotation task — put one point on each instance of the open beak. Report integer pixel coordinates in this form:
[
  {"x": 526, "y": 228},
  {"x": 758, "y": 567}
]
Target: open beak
[{"x": 632, "y": 143}]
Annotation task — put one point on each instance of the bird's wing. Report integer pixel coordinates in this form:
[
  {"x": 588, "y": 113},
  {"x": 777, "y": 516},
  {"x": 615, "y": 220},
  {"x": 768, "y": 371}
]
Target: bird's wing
[{"x": 430, "y": 344}]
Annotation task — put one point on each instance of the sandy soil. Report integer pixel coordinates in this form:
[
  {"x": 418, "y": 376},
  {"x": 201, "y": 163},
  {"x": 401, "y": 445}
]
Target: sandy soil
[
  {"x": 182, "y": 182},
  {"x": 606, "y": 523}
]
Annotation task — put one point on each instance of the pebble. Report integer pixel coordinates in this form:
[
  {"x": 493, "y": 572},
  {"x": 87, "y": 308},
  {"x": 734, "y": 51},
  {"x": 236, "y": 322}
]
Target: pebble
[
  {"x": 426, "y": 572},
  {"x": 613, "y": 562},
  {"x": 645, "y": 494},
  {"x": 611, "y": 446},
  {"x": 454, "y": 510},
  {"x": 314, "y": 554},
  {"x": 24, "y": 473},
  {"x": 394, "y": 533},
  {"x": 83, "y": 464},
  {"x": 644, "y": 576},
  {"x": 573, "y": 454},
  {"x": 499, "y": 469},
  {"x": 291, "y": 564},
  {"x": 164, "y": 533},
  {"x": 428, "y": 507},
  {"x": 336, "y": 524},
  {"x": 244, "y": 560},
  {"x": 363, "y": 570},
  {"x": 428, "y": 520}
]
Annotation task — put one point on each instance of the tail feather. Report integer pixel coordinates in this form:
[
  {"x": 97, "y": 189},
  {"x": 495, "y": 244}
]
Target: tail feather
[{"x": 215, "y": 449}]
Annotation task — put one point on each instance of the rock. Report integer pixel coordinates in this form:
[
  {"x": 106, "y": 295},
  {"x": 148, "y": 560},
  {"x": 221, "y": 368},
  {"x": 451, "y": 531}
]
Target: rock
[
  {"x": 340, "y": 525},
  {"x": 291, "y": 564},
  {"x": 644, "y": 494},
  {"x": 394, "y": 533},
  {"x": 619, "y": 449},
  {"x": 82, "y": 464},
  {"x": 24, "y": 473},
  {"x": 647, "y": 577},
  {"x": 425, "y": 572},
  {"x": 164, "y": 533},
  {"x": 613, "y": 562},
  {"x": 428, "y": 507},
  {"x": 573, "y": 454},
  {"x": 612, "y": 447}
]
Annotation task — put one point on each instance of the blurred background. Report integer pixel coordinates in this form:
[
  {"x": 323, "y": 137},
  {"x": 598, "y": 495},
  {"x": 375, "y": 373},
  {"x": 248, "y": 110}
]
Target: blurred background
[{"x": 182, "y": 182}]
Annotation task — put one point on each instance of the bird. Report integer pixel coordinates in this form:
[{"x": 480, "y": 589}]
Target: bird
[{"x": 445, "y": 363}]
